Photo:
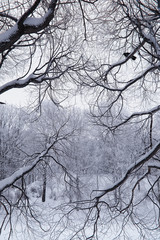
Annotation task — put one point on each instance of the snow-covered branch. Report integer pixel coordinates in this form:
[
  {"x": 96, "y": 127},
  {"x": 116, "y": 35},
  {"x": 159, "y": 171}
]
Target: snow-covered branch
[
  {"x": 146, "y": 157},
  {"x": 26, "y": 25},
  {"x": 119, "y": 63},
  {"x": 20, "y": 83},
  {"x": 150, "y": 112},
  {"x": 7, "y": 182}
]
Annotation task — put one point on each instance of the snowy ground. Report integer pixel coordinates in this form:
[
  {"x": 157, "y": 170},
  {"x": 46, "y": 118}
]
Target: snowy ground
[{"x": 50, "y": 214}]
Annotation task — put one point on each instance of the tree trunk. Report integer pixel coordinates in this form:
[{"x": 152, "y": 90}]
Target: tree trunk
[{"x": 44, "y": 183}]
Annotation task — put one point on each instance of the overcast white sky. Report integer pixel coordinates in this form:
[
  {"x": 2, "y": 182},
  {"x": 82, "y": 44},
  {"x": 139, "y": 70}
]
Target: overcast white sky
[
  {"x": 18, "y": 97},
  {"x": 22, "y": 98}
]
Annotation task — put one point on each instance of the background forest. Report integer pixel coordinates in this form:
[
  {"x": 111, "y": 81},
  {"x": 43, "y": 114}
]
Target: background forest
[{"x": 87, "y": 170}]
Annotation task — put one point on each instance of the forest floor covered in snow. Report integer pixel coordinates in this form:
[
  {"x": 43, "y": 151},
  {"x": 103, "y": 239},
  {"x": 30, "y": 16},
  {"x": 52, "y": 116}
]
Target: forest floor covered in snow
[{"x": 59, "y": 222}]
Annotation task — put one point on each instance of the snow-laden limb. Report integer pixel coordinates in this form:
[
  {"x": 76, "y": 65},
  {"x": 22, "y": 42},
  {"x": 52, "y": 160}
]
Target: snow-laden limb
[
  {"x": 150, "y": 112},
  {"x": 32, "y": 78},
  {"x": 7, "y": 182},
  {"x": 104, "y": 85},
  {"x": 143, "y": 159},
  {"x": 26, "y": 25},
  {"x": 119, "y": 63},
  {"x": 21, "y": 83},
  {"x": 5, "y": 36}
]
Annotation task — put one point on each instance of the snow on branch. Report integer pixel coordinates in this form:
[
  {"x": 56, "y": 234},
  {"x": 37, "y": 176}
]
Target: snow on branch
[
  {"x": 129, "y": 83},
  {"x": 34, "y": 78},
  {"x": 27, "y": 13},
  {"x": 7, "y": 182},
  {"x": 26, "y": 25},
  {"x": 119, "y": 63},
  {"x": 21, "y": 83},
  {"x": 138, "y": 114},
  {"x": 143, "y": 159}
]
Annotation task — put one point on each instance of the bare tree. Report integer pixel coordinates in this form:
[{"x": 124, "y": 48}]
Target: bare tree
[
  {"x": 39, "y": 42},
  {"x": 14, "y": 198},
  {"x": 41, "y": 46},
  {"x": 42, "y": 41},
  {"x": 128, "y": 94},
  {"x": 12, "y": 140}
]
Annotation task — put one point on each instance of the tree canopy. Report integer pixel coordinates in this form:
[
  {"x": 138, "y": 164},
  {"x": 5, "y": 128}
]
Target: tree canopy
[{"x": 108, "y": 51}]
